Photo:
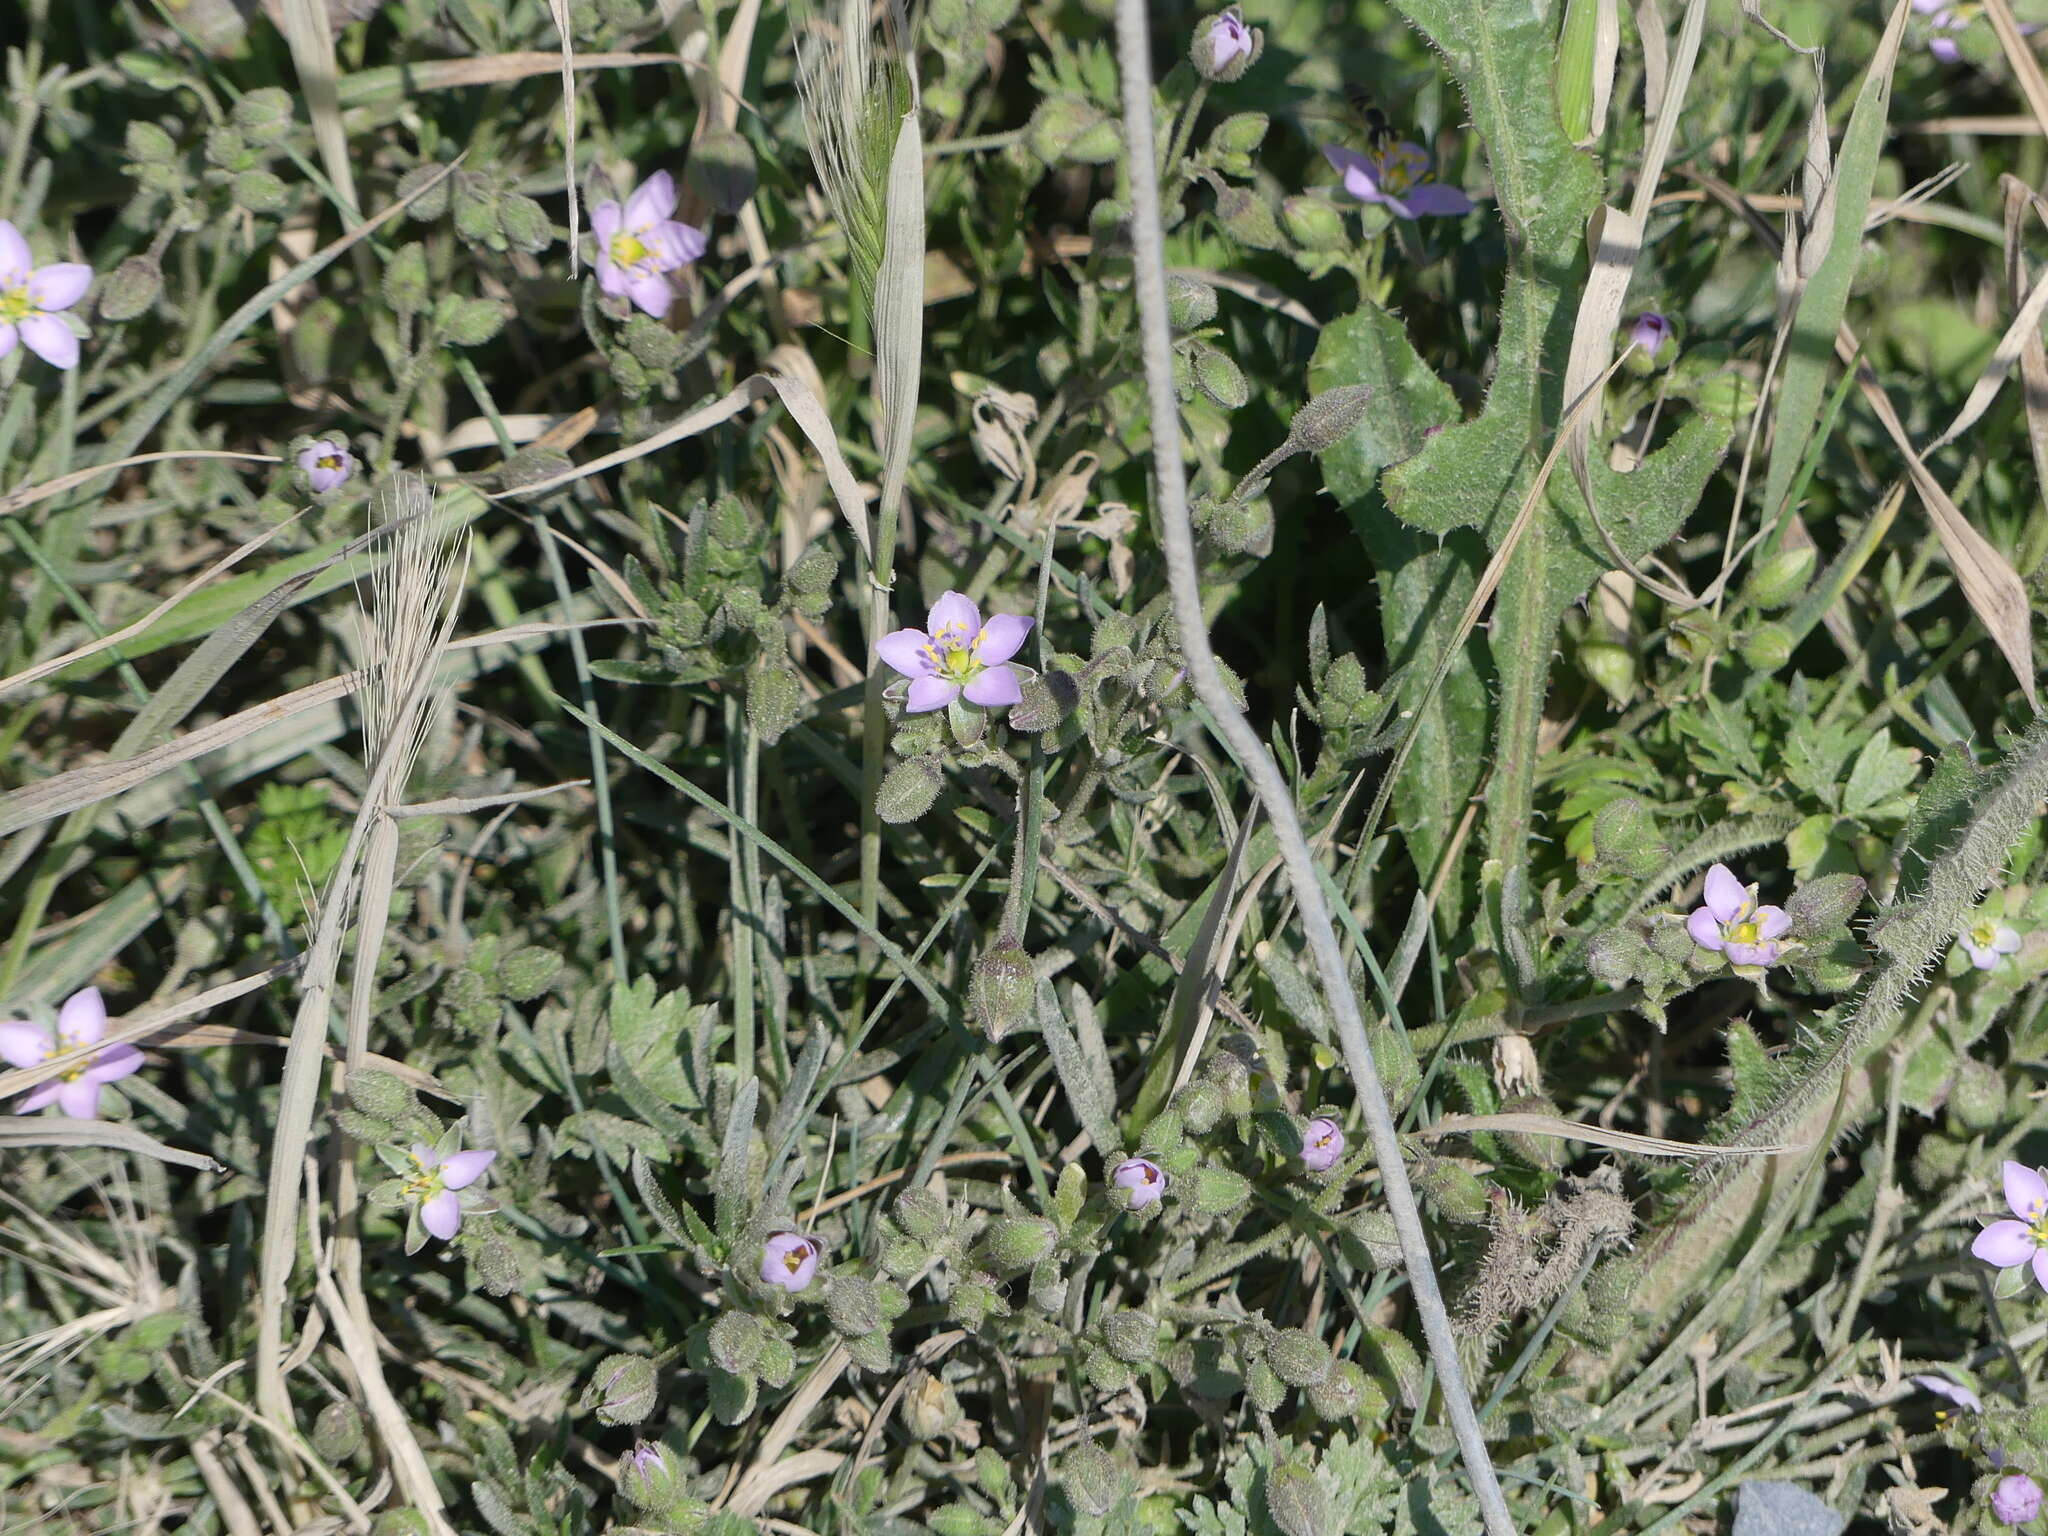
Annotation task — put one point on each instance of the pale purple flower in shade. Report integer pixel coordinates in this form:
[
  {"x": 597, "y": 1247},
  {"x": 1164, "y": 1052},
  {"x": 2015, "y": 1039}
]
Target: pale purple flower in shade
[
  {"x": 1397, "y": 178},
  {"x": 789, "y": 1259},
  {"x": 639, "y": 244},
  {"x": 1729, "y": 921},
  {"x": 432, "y": 1187},
  {"x": 2023, "y": 1240},
  {"x": 2016, "y": 1498},
  {"x": 327, "y": 464},
  {"x": 1228, "y": 38},
  {"x": 1954, "y": 1391},
  {"x": 1654, "y": 335},
  {"x": 958, "y": 654},
  {"x": 32, "y": 297},
  {"x": 1142, "y": 1180},
  {"x": 1988, "y": 944},
  {"x": 1941, "y": 17},
  {"x": 80, "y": 1022},
  {"x": 1322, "y": 1143}
]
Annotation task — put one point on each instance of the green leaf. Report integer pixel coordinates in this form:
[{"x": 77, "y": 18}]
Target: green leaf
[{"x": 1882, "y": 771}]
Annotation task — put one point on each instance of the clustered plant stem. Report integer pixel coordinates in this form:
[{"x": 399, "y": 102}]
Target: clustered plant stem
[{"x": 1177, "y": 535}]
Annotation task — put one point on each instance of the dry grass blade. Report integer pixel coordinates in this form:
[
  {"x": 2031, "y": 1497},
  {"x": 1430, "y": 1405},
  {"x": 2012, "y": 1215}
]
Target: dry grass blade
[
  {"x": 19, "y": 500},
  {"x": 310, "y": 35},
  {"x": 1596, "y": 1135},
  {"x": 496, "y": 69},
  {"x": 559, "y": 10},
  {"x": 18, "y": 1131},
  {"x": 2026, "y": 68},
  {"x": 2033, "y": 355}
]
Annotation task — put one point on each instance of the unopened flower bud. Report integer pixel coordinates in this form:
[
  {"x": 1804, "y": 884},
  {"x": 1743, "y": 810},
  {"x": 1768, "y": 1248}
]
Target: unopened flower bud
[
  {"x": 338, "y": 1431},
  {"x": 1018, "y": 1242},
  {"x": 380, "y": 1094},
  {"x": 1780, "y": 578},
  {"x": 1219, "y": 377},
  {"x": 1093, "y": 1481},
  {"x": 130, "y": 288},
  {"x": 651, "y": 1479},
  {"x": 920, "y": 1213},
  {"x": 1001, "y": 991},
  {"x": 1329, "y": 417},
  {"x": 623, "y": 1390},
  {"x": 1313, "y": 223},
  {"x": 1071, "y": 130},
  {"x": 1298, "y": 1357},
  {"x": 464, "y": 322},
  {"x": 1613, "y": 667},
  {"x": 1767, "y": 647},
  {"x": 851, "y": 1306},
  {"x": 735, "y": 1342},
  {"x": 1223, "y": 47},
  {"x": 1248, "y": 220},
  {"x": 1344, "y": 1393},
  {"x": 1454, "y": 1189},
  {"x": 265, "y": 113},
  {"x": 1190, "y": 305},
  {"x": 1219, "y": 1191},
  {"x": 259, "y": 191},
  {"x": 432, "y": 204},
  {"x": 1130, "y": 1336},
  {"x": 1823, "y": 905}
]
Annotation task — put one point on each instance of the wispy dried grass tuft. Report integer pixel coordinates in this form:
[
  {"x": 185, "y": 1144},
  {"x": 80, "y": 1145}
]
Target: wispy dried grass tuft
[{"x": 854, "y": 99}]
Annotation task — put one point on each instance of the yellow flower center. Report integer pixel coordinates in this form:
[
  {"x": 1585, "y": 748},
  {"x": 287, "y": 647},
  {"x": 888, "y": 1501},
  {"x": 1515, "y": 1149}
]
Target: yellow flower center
[
  {"x": 629, "y": 250},
  {"x": 1401, "y": 168},
  {"x": 1745, "y": 933},
  {"x": 1985, "y": 935},
  {"x": 15, "y": 305},
  {"x": 794, "y": 1259},
  {"x": 425, "y": 1181},
  {"x": 328, "y": 461}
]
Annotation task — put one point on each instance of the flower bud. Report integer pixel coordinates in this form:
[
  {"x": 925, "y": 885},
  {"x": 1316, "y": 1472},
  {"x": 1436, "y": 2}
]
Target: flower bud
[
  {"x": 1454, "y": 1189},
  {"x": 929, "y": 1407},
  {"x": 1345, "y": 1393},
  {"x": 623, "y": 1390},
  {"x": 973, "y": 1303},
  {"x": 1223, "y": 47},
  {"x": 1263, "y": 1386},
  {"x": 131, "y": 288},
  {"x": 1093, "y": 1481},
  {"x": 338, "y": 1431},
  {"x": 1068, "y": 129},
  {"x": 1767, "y": 647},
  {"x": 1823, "y": 905},
  {"x": 1001, "y": 991},
  {"x": 1190, "y": 305},
  {"x": 1298, "y": 1357},
  {"x": 1130, "y": 1336},
  {"x": 734, "y": 1343},
  {"x": 1240, "y": 133},
  {"x": 851, "y": 1306},
  {"x": 265, "y": 113},
  {"x": 775, "y": 699},
  {"x": 1248, "y": 220},
  {"x": 1105, "y": 1372},
  {"x": 1018, "y": 1242},
  {"x": 466, "y": 322},
  {"x": 722, "y": 170},
  {"x": 920, "y": 1213},
  {"x": 524, "y": 223},
  {"x": 1298, "y": 1502},
  {"x": 435, "y": 203},
  {"x": 777, "y": 1363},
  {"x": 406, "y": 284},
  {"x": 259, "y": 191},
  {"x": 1617, "y": 957},
  {"x": 1313, "y": 223},
  {"x": 1329, "y": 417},
  {"x": 1780, "y": 578},
  {"x": 1220, "y": 378},
  {"x": 1611, "y": 666},
  {"x": 527, "y": 972},
  {"x": 147, "y": 144},
  {"x": 908, "y": 790},
  {"x": 651, "y": 1479},
  {"x": 380, "y": 1094}
]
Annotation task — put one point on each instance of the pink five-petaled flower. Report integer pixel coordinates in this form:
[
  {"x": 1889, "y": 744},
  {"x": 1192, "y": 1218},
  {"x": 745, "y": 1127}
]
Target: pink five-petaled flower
[
  {"x": 1142, "y": 1180},
  {"x": 789, "y": 1259},
  {"x": 2016, "y": 1498},
  {"x": 435, "y": 1176},
  {"x": 959, "y": 655},
  {"x": 1729, "y": 920},
  {"x": 1322, "y": 1143},
  {"x": 80, "y": 1022},
  {"x": 638, "y": 245},
  {"x": 327, "y": 464},
  {"x": 1654, "y": 335},
  {"x": 1396, "y": 177},
  {"x": 1988, "y": 944},
  {"x": 32, "y": 297},
  {"x": 2024, "y": 1239}
]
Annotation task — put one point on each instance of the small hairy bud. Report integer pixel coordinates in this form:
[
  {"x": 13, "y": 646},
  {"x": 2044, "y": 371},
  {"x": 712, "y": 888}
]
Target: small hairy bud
[
  {"x": 1767, "y": 647},
  {"x": 1329, "y": 417},
  {"x": 851, "y": 1305},
  {"x": 1616, "y": 957},
  {"x": 1219, "y": 1191},
  {"x": 1220, "y": 378},
  {"x": 130, "y": 288},
  {"x": 1341, "y": 1394},
  {"x": 908, "y": 790},
  {"x": 147, "y": 144},
  {"x": 1018, "y": 1242},
  {"x": 1298, "y": 1357},
  {"x": 1201, "y": 1106},
  {"x": 1001, "y": 990},
  {"x": 1314, "y": 224},
  {"x": 466, "y": 322},
  {"x": 1130, "y": 1336},
  {"x": 722, "y": 170},
  {"x": 1068, "y": 129},
  {"x": 1262, "y": 1384},
  {"x": 264, "y": 113},
  {"x": 259, "y": 191},
  {"x": 1822, "y": 905},
  {"x": 405, "y": 280},
  {"x": 1190, "y": 305},
  {"x": 380, "y": 1094},
  {"x": 1455, "y": 1190},
  {"x": 524, "y": 223},
  {"x": 1298, "y": 1502},
  {"x": 527, "y": 972},
  {"x": 338, "y": 1431},
  {"x": 1780, "y": 578},
  {"x": 920, "y": 1213},
  {"x": 433, "y": 204},
  {"x": 651, "y": 1479},
  {"x": 775, "y": 700},
  {"x": 735, "y": 1342},
  {"x": 1612, "y": 667},
  {"x": 1093, "y": 1481},
  {"x": 623, "y": 1390},
  {"x": 1248, "y": 219}
]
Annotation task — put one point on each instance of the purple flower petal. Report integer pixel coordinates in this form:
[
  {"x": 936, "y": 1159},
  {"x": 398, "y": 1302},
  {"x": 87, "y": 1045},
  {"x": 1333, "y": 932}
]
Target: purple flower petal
[
  {"x": 424, "y": 1155},
  {"x": 679, "y": 243},
  {"x": 37, "y": 1097},
  {"x": 954, "y": 611},
  {"x": 1705, "y": 928},
  {"x": 1944, "y": 49},
  {"x": 7, "y": 337},
  {"x": 652, "y": 202},
  {"x": 59, "y": 285},
  {"x": 23, "y": 1044},
  {"x": 83, "y": 1018},
  {"x": 995, "y": 688},
  {"x": 904, "y": 649},
  {"x": 2026, "y": 1192},
  {"x": 51, "y": 340},
  {"x": 1772, "y": 922},
  {"x": 1759, "y": 955},
  {"x": 459, "y": 1170},
  {"x": 1349, "y": 162},
  {"x": 652, "y": 293},
  {"x": 1725, "y": 895},
  {"x": 114, "y": 1063},
  {"x": 929, "y": 693},
  {"x": 605, "y": 219},
  {"x": 442, "y": 1215},
  {"x": 14, "y": 256},
  {"x": 1434, "y": 199},
  {"x": 1954, "y": 1391},
  {"x": 1001, "y": 636},
  {"x": 2041, "y": 1268},
  {"x": 611, "y": 277},
  {"x": 789, "y": 1260},
  {"x": 2007, "y": 942},
  {"x": 2003, "y": 1244},
  {"x": 80, "y": 1099}
]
